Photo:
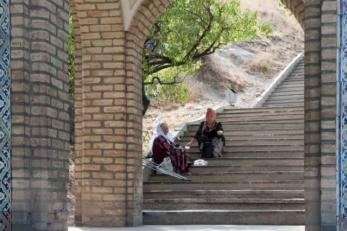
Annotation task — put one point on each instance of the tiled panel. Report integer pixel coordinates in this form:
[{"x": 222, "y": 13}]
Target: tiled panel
[
  {"x": 5, "y": 117},
  {"x": 342, "y": 115}
]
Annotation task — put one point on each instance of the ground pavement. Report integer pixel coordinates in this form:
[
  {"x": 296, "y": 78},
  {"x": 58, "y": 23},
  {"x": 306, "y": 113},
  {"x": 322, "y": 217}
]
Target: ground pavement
[{"x": 198, "y": 228}]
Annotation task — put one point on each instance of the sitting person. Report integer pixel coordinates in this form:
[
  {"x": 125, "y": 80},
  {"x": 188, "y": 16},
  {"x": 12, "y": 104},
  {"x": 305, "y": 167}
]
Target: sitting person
[
  {"x": 210, "y": 136},
  {"x": 164, "y": 146}
]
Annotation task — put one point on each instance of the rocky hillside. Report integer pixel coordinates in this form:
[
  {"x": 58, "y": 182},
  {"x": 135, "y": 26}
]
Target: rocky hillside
[{"x": 249, "y": 68}]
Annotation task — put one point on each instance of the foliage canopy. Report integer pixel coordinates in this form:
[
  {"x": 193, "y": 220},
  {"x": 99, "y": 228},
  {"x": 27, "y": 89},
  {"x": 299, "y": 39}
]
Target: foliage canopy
[{"x": 186, "y": 32}]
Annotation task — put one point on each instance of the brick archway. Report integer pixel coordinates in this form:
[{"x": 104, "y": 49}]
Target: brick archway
[
  {"x": 311, "y": 15},
  {"x": 108, "y": 111}
]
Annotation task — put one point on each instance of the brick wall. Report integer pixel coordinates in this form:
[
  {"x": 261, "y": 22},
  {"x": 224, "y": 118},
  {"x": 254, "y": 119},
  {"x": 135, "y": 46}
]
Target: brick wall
[
  {"x": 312, "y": 24},
  {"x": 108, "y": 111},
  {"x": 106, "y": 168},
  {"x": 328, "y": 114},
  {"x": 40, "y": 106}
]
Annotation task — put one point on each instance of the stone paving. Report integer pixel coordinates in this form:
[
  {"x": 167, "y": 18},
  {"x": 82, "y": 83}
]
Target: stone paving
[{"x": 197, "y": 228}]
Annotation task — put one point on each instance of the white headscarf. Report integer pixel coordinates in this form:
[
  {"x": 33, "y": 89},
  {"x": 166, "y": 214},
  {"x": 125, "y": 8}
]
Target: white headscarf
[{"x": 159, "y": 132}]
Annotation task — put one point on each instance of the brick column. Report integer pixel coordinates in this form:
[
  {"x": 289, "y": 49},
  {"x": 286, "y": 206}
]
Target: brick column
[
  {"x": 312, "y": 26},
  {"x": 328, "y": 114},
  {"x": 40, "y": 114},
  {"x": 104, "y": 169}
]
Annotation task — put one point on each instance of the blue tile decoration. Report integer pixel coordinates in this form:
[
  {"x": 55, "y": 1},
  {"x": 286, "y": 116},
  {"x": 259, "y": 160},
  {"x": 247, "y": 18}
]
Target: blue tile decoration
[
  {"x": 342, "y": 115},
  {"x": 5, "y": 117}
]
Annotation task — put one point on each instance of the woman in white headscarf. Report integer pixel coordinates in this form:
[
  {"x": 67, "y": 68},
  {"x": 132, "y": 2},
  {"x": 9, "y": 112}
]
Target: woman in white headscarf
[{"x": 164, "y": 146}]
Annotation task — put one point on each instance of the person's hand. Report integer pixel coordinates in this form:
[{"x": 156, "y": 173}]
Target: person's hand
[
  {"x": 188, "y": 145},
  {"x": 220, "y": 133}
]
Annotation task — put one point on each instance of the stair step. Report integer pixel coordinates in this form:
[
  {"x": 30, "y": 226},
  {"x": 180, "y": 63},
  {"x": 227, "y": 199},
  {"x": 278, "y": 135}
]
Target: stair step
[
  {"x": 155, "y": 194},
  {"x": 233, "y": 177},
  {"x": 226, "y": 118},
  {"x": 288, "y": 94},
  {"x": 266, "y": 110},
  {"x": 258, "y": 181},
  {"x": 253, "y": 154},
  {"x": 224, "y": 203},
  {"x": 224, "y": 217},
  {"x": 258, "y": 126},
  {"x": 231, "y": 135},
  {"x": 274, "y": 155},
  {"x": 264, "y": 148},
  {"x": 254, "y": 185},
  {"x": 280, "y": 105},
  {"x": 279, "y": 98}
]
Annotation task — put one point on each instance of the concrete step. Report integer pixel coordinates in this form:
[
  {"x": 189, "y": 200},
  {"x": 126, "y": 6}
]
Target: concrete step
[
  {"x": 259, "y": 180},
  {"x": 285, "y": 98},
  {"x": 263, "y": 194},
  {"x": 299, "y": 125},
  {"x": 173, "y": 203},
  {"x": 255, "y": 133},
  {"x": 270, "y": 155},
  {"x": 265, "y": 110},
  {"x": 287, "y": 94},
  {"x": 262, "y": 148},
  {"x": 229, "y": 136},
  {"x": 281, "y": 104},
  {"x": 237, "y": 121},
  {"x": 231, "y": 185},
  {"x": 223, "y": 217},
  {"x": 233, "y": 176},
  {"x": 284, "y": 101},
  {"x": 259, "y": 122},
  {"x": 298, "y": 155},
  {"x": 227, "y": 118},
  {"x": 289, "y": 91},
  {"x": 296, "y": 83},
  {"x": 212, "y": 170},
  {"x": 294, "y": 86}
]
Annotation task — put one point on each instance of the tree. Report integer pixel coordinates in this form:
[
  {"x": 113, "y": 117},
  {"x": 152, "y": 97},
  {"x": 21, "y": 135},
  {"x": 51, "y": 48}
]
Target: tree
[{"x": 189, "y": 30}]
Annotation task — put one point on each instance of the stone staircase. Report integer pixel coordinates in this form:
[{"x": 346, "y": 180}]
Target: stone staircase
[{"x": 259, "y": 180}]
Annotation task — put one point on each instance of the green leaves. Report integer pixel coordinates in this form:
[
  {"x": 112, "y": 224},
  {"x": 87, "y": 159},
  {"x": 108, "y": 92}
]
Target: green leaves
[{"x": 191, "y": 29}]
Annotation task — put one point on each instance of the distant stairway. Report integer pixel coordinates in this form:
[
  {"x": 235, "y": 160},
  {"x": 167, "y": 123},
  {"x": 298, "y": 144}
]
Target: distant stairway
[{"x": 259, "y": 180}]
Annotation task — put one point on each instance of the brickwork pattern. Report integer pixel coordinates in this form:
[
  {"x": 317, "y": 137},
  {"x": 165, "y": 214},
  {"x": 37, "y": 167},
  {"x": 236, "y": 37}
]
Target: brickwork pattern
[
  {"x": 108, "y": 111},
  {"x": 312, "y": 25},
  {"x": 328, "y": 90},
  {"x": 40, "y": 106},
  {"x": 105, "y": 164}
]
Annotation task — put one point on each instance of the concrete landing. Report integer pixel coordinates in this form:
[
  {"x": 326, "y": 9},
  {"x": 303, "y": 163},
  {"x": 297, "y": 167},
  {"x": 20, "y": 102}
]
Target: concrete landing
[{"x": 197, "y": 228}]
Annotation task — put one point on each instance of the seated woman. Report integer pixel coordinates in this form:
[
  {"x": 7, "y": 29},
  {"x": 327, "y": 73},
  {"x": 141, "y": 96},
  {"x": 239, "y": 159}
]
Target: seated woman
[
  {"x": 164, "y": 146},
  {"x": 210, "y": 136}
]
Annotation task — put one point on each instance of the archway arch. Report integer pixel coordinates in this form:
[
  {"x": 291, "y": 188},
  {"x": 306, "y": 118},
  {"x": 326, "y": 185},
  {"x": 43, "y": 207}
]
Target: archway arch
[
  {"x": 109, "y": 111},
  {"x": 151, "y": 9}
]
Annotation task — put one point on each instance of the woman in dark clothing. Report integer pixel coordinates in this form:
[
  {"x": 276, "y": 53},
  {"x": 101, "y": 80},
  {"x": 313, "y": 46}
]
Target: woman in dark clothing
[
  {"x": 164, "y": 146},
  {"x": 210, "y": 136}
]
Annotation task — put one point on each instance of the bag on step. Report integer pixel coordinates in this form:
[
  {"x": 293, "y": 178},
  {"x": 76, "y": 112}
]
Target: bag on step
[{"x": 166, "y": 165}]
